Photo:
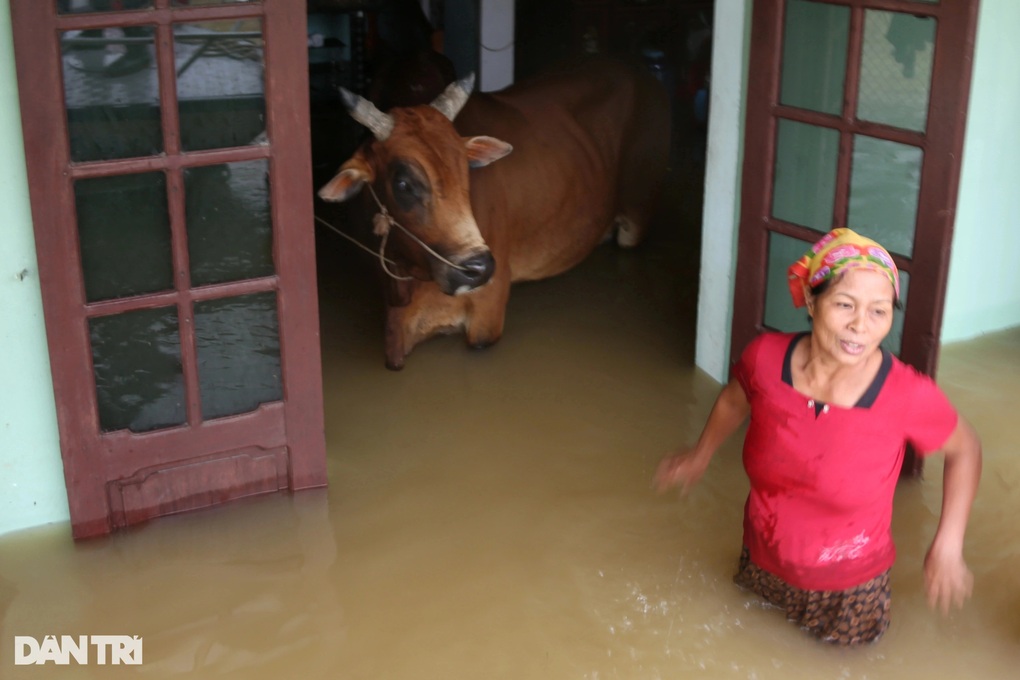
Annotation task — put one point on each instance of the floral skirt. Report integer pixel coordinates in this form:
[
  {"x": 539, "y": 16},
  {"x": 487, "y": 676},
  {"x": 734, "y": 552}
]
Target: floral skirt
[{"x": 843, "y": 617}]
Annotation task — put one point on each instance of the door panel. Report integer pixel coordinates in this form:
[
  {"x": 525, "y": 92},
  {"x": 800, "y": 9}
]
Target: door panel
[
  {"x": 220, "y": 92},
  {"x": 169, "y": 168},
  {"x": 855, "y": 117},
  {"x": 111, "y": 117},
  {"x": 806, "y": 165},
  {"x": 228, "y": 212},
  {"x": 815, "y": 39},
  {"x": 124, "y": 235},
  {"x": 896, "y": 63},
  {"x": 885, "y": 185}
]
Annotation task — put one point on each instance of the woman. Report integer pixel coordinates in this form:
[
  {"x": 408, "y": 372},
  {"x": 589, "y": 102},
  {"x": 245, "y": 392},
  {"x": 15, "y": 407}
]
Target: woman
[{"x": 831, "y": 413}]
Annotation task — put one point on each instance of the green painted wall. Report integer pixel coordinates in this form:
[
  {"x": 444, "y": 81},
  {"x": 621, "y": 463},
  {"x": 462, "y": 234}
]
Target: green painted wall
[
  {"x": 31, "y": 474},
  {"x": 984, "y": 273}
]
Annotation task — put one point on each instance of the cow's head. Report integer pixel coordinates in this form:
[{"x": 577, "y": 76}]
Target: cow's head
[{"x": 417, "y": 166}]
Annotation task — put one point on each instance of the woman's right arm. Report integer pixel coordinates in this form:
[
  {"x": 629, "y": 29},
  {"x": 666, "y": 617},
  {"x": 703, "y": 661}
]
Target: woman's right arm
[{"x": 686, "y": 466}]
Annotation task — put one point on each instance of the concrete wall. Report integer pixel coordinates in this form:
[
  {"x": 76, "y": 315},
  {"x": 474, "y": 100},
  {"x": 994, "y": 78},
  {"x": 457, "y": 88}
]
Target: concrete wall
[
  {"x": 722, "y": 185},
  {"x": 497, "y": 48},
  {"x": 31, "y": 473}
]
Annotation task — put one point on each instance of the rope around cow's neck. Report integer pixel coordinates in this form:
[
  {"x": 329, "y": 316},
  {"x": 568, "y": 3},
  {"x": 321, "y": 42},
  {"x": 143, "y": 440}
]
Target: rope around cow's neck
[
  {"x": 381, "y": 223},
  {"x": 383, "y": 220},
  {"x": 383, "y": 260}
]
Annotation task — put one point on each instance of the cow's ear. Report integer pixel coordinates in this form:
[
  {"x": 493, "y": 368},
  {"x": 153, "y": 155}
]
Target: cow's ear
[
  {"x": 485, "y": 150},
  {"x": 353, "y": 174}
]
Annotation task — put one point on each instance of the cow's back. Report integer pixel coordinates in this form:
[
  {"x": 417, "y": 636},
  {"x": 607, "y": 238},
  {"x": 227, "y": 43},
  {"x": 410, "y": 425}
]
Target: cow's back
[{"x": 588, "y": 137}]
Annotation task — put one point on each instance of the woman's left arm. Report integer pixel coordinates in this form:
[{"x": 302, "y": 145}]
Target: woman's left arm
[{"x": 947, "y": 579}]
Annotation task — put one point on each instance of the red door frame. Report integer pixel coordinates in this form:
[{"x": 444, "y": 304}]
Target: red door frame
[
  {"x": 115, "y": 479},
  {"x": 942, "y": 145}
]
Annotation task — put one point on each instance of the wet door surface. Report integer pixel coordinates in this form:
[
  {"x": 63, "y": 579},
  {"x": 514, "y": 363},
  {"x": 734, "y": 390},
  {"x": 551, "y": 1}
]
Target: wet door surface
[
  {"x": 856, "y": 112},
  {"x": 168, "y": 157}
]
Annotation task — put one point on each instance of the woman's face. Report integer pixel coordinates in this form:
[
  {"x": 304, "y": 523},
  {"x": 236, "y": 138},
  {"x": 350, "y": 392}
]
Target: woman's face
[{"x": 852, "y": 317}]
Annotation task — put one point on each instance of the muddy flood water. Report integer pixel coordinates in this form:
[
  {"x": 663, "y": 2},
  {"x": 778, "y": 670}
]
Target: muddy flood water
[{"x": 490, "y": 516}]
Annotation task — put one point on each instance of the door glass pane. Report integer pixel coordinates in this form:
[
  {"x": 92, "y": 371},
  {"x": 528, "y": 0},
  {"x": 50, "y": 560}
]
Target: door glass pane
[
  {"x": 220, "y": 85},
  {"x": 884, "y": 188},
  {"x": 124, "y": 235},
  {"x": 814, "y": 56},
  {"x": 781, "y": 315},
  {"x": 111, "y": 93},
  {"x": 238, "y": 342},
  {"x": 137, "y": 364},
  {"x": 805, "y": 174},
  {"x": 230, "y": 235},
  {"x": 896, "y": 63},
  {"x": 894, "y": 341},
  {"x": 81, "y": 6}
]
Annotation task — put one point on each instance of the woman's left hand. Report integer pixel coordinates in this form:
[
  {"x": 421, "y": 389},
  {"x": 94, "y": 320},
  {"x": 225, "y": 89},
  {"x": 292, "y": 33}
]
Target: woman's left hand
[{"x": 947, "y": 580}]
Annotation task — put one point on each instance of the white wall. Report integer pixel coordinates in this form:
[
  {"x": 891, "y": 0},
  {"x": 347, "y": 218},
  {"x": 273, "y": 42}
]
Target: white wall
[
  {"x": 497, "y": 48},
  {"x": 722, "y": 185},
  {"x": 31, "y": 472},
  {"x": 984, "y": 272}
]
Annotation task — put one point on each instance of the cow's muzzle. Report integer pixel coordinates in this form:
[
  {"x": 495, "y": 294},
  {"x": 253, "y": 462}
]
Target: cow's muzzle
[{"x": 470, "y": 273}]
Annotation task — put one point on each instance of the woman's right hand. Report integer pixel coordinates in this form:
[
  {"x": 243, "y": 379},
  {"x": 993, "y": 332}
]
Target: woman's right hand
[
  {"x": 683, "y": 468},
  {"x": 686, "y": 466}
]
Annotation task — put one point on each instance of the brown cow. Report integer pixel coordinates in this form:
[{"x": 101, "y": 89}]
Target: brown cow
[{"x": 590, "y": 145}]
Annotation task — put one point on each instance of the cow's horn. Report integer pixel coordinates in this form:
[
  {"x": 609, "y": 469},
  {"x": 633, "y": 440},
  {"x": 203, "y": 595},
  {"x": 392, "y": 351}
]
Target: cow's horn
[
  {"x": 456, "y": 94},
  {"x": 365, "y": 112}
]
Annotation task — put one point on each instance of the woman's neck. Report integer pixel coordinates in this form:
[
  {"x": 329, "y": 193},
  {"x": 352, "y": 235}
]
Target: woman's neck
[{"x": 820, "y": 376}]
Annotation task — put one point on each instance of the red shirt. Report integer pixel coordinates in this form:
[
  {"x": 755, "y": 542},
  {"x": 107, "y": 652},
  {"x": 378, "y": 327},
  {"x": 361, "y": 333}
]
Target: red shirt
[{"x": 822, "y": 477}]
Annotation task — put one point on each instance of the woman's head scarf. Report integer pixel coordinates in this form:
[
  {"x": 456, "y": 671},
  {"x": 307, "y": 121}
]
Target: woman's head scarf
[{"x": 837, "y": 251}]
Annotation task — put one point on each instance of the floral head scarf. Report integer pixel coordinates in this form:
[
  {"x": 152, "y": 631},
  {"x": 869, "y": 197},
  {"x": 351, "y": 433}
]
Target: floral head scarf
[{"x": 837, "y": 251}]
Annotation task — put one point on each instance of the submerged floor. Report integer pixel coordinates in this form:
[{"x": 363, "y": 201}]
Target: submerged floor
[{"x": 490, "y": 515}]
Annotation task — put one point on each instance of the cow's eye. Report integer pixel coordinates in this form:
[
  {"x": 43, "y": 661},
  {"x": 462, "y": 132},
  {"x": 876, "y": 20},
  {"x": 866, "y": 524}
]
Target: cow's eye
[
  {"x": 405, "y": 193},
  {"x": 408, "y": 189}
]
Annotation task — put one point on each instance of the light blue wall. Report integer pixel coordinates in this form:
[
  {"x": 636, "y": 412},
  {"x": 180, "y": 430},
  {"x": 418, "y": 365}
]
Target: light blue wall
[
  {"x": 984, "y": 272},
  {"x": 31, "y": 474}
]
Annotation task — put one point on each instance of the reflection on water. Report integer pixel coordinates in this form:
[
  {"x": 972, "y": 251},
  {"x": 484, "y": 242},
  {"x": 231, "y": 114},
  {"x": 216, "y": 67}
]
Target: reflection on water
[
  {"x": 490, "y": 515},
  {"x": 238, "y": 342},
  {"x": 220, "y": 83},
  {"x": 111, "y": 88},
  {"x": 230, "y": 231},
  {"x": 137, "y": 362},
  {"x": 124, "y": 235},
  {"x": 111, "y": 92}
]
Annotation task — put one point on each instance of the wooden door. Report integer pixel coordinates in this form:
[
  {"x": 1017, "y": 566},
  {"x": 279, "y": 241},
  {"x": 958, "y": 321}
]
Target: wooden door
[
  {"x": 169, "y": 170},
  {"x": 855, "y": 117}
]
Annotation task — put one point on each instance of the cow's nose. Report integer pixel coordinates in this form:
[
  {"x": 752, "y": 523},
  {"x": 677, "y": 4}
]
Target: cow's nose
[{"x": 473, "y": 272}]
